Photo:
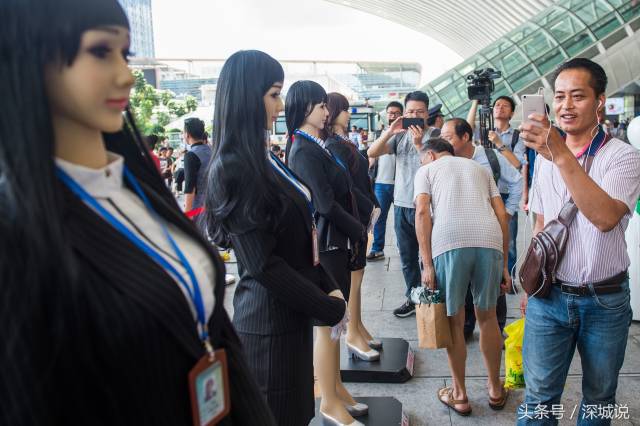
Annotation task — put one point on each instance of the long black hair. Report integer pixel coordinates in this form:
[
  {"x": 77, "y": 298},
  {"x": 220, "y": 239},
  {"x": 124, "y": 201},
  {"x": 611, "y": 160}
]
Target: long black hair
[
  {"x": 36, "y": 34},
  {"x": 241, "y": 188},
  {"x": 302, "y": 96}
]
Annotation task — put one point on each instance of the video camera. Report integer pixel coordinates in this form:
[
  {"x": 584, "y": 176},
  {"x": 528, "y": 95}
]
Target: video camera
[{"x": 480, "y": 84}]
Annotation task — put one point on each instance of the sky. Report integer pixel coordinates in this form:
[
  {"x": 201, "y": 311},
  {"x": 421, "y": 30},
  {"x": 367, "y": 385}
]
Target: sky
[{"x": 291, "y": 30}]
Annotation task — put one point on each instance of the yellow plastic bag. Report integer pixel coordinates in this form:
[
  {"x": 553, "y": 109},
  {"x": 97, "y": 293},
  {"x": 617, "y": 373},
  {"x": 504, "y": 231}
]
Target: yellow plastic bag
[{"x": 514, "y": 377}]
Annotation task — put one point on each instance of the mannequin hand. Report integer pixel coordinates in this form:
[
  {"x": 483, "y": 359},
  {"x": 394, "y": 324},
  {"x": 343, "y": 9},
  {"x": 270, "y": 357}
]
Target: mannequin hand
[
  {"x": 341, "y": 327},
  {"x": 337, "y": 293}
]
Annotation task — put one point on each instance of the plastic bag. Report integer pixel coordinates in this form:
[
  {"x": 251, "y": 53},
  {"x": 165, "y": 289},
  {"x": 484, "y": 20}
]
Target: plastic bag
[{"x": 514, "y": 371}]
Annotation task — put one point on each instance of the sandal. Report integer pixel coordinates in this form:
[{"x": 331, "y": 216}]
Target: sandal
[
  {"x": 451, "y": 403},
  {"x": 499, "y": 403}
]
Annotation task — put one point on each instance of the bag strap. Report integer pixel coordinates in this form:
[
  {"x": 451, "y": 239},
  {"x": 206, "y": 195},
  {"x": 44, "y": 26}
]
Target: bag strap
[
  {"x": 494, "y": 163},
  {"x": 569, "y": 210},
  {"x": 514, "y": 139}
]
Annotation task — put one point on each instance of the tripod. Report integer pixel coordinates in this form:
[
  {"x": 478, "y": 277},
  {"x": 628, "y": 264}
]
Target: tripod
[{"x": 486, "y": 122}]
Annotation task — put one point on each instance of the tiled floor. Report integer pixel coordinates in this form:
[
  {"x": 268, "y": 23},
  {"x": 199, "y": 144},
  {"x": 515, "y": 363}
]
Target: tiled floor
[{"x": 383, "y": 290}]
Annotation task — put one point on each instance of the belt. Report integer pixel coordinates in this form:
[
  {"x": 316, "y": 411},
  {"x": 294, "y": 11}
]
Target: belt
[{"x": 606, "y": 286}]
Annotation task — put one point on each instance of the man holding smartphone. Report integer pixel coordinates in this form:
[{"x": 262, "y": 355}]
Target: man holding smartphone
[
  {"x": 406, "y": 144},
  {"x": 588, "y": 304}
]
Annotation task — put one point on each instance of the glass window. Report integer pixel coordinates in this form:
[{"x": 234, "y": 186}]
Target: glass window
[
  {"x": 537, "y": 44},
  {"x": 628, "y": 11},
  {"x": 521, "y": 78},
  {"x": 455, "y": 94},
  {"x": 497, "y": 48},
  {"x": 462, "y": 111},
  {"x": 565, "y": 27},
  {"x": 550, "y": 16},
  {"x": 500, "y": 90},
  {"x": 467, "y": 67},
  {"x": 592, "y": 11},
  {"x": 606, "y": 26},
  {"x": 443, "y": 81},
  {"x": 510, "y": 61},
  {"x": 523, "y": 31},
  {"x": 578, "y": 43},
  {"x": 549, "y": 60}
]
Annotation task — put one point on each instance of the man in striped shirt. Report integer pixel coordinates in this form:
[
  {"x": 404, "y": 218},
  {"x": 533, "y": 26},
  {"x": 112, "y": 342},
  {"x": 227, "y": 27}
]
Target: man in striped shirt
[{"x": 588, "y": 305}]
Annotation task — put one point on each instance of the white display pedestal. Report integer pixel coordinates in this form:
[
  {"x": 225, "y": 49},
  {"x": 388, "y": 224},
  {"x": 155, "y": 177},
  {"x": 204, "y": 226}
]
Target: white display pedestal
[{"x": 633, "y": 247}]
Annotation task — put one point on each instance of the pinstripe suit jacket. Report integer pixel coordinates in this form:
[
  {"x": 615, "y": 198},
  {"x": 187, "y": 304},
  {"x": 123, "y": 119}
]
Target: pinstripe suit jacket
[
  {"x": 115, "y": 346},
  {"x": 280, "y": 290}
]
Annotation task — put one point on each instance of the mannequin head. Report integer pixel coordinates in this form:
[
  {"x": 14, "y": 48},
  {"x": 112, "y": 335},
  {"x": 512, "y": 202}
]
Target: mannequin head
[
  {"x": 339, "y": 115},
  {"x": 240, "y": 176},
  {"x": 64, "y": 62},
  {"x": 306, "y": 105}
]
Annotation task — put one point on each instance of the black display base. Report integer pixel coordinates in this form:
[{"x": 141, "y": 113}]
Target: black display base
[
  {"x": 395, "y": 364},
  {"x": 383, "y": 411}
]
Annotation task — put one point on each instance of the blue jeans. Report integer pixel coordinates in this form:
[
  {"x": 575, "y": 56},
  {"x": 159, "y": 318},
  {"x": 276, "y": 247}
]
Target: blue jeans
[
  {"x": 384, "y": 194},
  {"x": 513, "y": 234},
  {"x": 599, "y": 326},
  {"x": 405, "y": 227}
]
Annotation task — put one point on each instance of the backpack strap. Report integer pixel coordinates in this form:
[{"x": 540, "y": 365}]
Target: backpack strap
[
  {"x": 494, "y": 163},
  {"x": 514, "y": 139}
]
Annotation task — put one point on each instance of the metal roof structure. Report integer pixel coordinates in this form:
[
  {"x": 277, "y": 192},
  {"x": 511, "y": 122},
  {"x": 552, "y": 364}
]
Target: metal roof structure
[{"x": 465, "y": 26}]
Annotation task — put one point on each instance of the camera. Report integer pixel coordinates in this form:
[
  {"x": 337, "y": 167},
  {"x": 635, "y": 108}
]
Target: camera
[{"x": 480, "y": 84}]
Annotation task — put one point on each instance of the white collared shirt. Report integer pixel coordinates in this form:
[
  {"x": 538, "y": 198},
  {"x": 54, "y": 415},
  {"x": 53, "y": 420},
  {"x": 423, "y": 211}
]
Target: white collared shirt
[{"x": 106, "y": 186}]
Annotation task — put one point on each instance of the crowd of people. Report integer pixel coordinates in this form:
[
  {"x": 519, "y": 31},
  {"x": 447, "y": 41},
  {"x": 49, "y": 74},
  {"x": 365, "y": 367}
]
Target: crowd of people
[{"x": 117, "y": 285}]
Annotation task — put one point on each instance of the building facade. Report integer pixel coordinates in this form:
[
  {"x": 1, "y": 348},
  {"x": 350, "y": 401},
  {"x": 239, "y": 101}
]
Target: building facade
[{"x": 141, "y": 21}]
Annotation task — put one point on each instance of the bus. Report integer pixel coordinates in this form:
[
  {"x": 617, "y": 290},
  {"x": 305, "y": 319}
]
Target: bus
[{"x": 362, "y": 116}]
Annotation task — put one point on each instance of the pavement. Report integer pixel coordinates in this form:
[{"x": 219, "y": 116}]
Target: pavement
[{"x": 383, "y": 291}]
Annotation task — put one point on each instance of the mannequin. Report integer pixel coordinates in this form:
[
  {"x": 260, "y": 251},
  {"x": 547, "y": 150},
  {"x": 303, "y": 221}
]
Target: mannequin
[
  {"x": 269, "y": 223},
  {"x": 80, "y": 293},
  {"x": 335, "y": 132},
  {"x": 338, "y": 229}
]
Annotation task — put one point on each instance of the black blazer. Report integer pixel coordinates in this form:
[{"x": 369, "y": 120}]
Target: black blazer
[
  {"x": 338, "y": 219},
  {"x": 359, "y": 172},
  {"x": 114, "y": 347},
  {"x": 280, "y": 290}
]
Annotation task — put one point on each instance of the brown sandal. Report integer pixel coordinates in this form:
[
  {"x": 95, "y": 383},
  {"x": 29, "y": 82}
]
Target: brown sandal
[
  {"x": 451, "y": 403},
  {"x": 499, "y": 403}
]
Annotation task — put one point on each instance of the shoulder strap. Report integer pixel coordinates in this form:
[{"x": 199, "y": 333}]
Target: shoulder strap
[
  {"x": 494, "y": 163},
  {"x": 514, "y": 139}
]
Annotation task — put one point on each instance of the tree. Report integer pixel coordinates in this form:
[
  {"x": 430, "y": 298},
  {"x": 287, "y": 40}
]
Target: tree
[{"x": 153, "y": 109}]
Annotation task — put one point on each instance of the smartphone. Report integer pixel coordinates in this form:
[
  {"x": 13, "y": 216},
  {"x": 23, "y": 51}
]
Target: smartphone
[
  {"x": 532, "y": 104},
  {"x": 408, "y": 122}
]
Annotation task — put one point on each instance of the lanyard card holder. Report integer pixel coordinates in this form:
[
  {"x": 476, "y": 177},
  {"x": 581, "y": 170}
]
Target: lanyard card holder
[{"x": 209, "y": 389}]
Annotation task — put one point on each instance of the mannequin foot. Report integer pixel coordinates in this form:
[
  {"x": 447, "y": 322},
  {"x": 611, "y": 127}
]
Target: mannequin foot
[
  {"x": 335, "y": 413},
  {"x": 373, "y": 343},
  {"x": 344, "y": 395},
  {"x": 361, "y": 349},
  {"x": 354, "y": 408}
]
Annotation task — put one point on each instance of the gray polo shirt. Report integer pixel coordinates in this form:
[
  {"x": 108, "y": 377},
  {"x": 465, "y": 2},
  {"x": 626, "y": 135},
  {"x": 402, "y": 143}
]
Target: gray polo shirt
[{"x": 407, "y": 164}]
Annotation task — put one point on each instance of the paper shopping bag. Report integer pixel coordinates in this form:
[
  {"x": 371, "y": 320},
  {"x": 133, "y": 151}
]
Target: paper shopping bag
[{"x": 433, "y": 326}]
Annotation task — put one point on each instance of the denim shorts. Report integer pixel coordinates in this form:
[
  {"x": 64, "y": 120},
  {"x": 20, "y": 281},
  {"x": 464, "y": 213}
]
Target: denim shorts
[{"x": 455, "y": 269}]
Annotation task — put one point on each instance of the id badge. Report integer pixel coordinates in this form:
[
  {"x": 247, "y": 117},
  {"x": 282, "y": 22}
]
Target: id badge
[
  {"x": 316, "y": 249},
  {"x": 209, "y": 389}
]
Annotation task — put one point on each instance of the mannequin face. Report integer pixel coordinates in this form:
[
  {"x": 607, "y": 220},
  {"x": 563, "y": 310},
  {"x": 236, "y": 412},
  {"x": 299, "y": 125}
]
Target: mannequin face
[
  {"x": 342, "y": 120},
  {"x": 273, "y": 104},
  {"x": 92, "y": 92},
  {"x": 318, "y": 116}
]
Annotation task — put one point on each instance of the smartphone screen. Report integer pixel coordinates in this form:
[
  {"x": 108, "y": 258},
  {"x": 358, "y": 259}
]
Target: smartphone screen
[
  {"x": 407, "y": 122},
  {"x": 532, "y": 104}
]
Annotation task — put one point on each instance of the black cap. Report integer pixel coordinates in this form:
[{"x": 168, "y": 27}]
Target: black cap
[{"x": 435, "y": 111}]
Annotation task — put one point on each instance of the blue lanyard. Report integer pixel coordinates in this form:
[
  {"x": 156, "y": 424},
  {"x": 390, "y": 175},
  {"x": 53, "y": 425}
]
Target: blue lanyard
[
  {"x": 194, "y": 290},
  {"x": 286, "y": 173},
  {"x": 320, "y": 142}
]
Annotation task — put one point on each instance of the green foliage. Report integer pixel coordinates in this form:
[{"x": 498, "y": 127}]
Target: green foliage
[{"x": 153, "y": 109}]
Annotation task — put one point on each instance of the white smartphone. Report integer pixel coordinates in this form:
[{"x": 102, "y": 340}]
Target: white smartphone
[{"x": 532, "y": 104}]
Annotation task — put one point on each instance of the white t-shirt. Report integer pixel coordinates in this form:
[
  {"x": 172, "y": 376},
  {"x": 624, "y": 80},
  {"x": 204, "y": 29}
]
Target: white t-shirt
[
  {"x": 386, "y": 169},
  {"x": 461, "y": 192}
]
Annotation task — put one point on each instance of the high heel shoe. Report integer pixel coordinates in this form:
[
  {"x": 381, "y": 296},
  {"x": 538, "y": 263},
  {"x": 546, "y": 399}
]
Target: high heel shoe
[
  {"x": 354, "y": 352},
  {"x": 327, "y": 418},
  {"x": 375, "y": 344},
  {"x": 357, "y": 410}
]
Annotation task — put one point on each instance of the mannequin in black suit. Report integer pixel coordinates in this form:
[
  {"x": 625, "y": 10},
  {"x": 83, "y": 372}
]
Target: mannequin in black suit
[
  {"x": 258, "y": 205},
  {"x": 93, "y": 330},
  {"x": 335, "y": 133},
  {"x": 338, "y": 227}
]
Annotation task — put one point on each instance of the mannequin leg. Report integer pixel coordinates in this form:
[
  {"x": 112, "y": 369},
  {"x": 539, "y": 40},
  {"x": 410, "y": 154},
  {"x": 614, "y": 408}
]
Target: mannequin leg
[
  {"x": 326, "y": 359},
  {"x": 356, "y": 287}
]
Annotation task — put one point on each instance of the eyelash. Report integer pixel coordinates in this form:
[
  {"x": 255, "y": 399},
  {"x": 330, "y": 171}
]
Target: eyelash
[{"x": 101, "y": 52}]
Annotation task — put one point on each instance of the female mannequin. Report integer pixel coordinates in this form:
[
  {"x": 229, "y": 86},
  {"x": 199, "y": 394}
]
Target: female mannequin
[
  {"x": 269, "y": 222},
  {"x": 338, "y": 228},
  {"x": 96, "y": 325},
  {"x": 335, "y": 133}
]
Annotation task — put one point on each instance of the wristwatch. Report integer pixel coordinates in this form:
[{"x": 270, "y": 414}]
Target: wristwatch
[{"x": 502, "y": 148}]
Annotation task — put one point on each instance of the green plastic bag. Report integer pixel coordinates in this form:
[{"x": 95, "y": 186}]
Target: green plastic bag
[{"x": 514, "y": 377}]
